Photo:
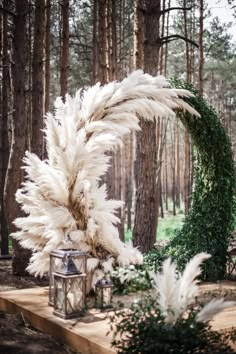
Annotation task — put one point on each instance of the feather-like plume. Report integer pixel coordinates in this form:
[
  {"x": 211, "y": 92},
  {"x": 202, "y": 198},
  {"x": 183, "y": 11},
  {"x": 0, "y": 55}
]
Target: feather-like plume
[
  {"x": 188, "y": 282},
  {"x": 213, "y": 308},
  {"x": 166, "y": 285},
  {"x": 62, "y": 194},
  {"x": 175, "y": 292}
]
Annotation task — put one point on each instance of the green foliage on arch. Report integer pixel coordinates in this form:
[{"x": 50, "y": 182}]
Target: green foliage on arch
[{"x": 209, "y": 222}]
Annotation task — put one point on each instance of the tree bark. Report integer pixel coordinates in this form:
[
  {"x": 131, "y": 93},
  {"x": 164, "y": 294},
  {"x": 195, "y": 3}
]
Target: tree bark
[
  {"x": 37, "y": 80},
  {"x": 95, "y": 42},
  {"x": 129, "y": 178},
  {"x": 14, "y": 174},
  {"x": 188, "y": 70},
  {"x": 138, "y": 35},
  {"x": 166, "y": 176},
  {"x": 173, "y": 164},
  {"x": 200, "y": 56},
  {"x": 4, "y": 125},
  {"x": 177, "y": 162},
  {"x": 64, "y": 48},
  {"x": 162, "y": 35},
  {"x": 146, "y": 211},
  {"x": 29, "y": 79},
  {"x": 114, "y": 41},
  {"x": 103, "y": 45},
  {"x": 47, "y": 57},
  {"x": 187, "y": 148},
  {"x": 186, "y": 171},
  {"x": 167, "y": 34}
]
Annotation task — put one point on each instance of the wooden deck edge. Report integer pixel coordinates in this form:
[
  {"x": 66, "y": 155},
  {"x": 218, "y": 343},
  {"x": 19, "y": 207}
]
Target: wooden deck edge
[{"x": 78, "y": 342}]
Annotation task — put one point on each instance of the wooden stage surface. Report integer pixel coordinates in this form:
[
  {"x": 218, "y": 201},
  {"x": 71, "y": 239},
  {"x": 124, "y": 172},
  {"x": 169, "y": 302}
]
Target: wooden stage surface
[{"x": 88, "y": 334}]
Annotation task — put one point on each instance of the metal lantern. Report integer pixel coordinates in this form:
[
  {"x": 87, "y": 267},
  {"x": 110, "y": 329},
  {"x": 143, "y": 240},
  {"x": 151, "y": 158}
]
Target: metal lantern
[
  {"x": 69, "y": 289},
  {"x": 57, "y": 257},
  {"x": 103, "y": 293}
]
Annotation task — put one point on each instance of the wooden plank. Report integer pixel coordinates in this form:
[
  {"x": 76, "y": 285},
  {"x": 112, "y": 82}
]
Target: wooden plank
[{"x": 86, "y": 335}]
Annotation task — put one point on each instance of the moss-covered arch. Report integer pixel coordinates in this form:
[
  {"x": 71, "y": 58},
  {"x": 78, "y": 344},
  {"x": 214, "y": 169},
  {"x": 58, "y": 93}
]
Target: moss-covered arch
[{"x": 209, "y": 222}]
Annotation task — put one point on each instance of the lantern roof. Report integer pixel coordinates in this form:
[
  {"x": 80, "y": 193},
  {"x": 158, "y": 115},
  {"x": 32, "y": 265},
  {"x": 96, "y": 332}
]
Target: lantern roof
[
  {"x": 103, "y": 283},
  {"x": 63, "y": 252}
]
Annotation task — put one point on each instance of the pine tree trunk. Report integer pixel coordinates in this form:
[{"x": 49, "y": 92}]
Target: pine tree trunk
[
  {"x": 4, "y": 125},
  {"x": 186, "y": 171},
  {"x": 37, "y": 80},
  {"x": 161, "y": 199},
  {"x": 138, "y": 35},
  {"x": 167, "y": 34},
  {"x": 161, "y": 69},
  {"x": 95, "y": 42},
  {"x": 166, "y": 177},
  {"x": 177, "y": 161},
  {"x": 114, "y": 41},
  {"x": 187, "y": 148},
  {"x": 64, "y": 48},
  {"x": 29, "y": 96},
  {"x": 200, "y": 43},
  {"x": 103, "y": 45},
  {"x": 14, "y": 174},
  {"x": 188, "y": 70},
  {"x": 173, "y": 189},
  {"x": 129, "y": 178},
  {"x": 47, "y": 57},
  {"x": 146, "y": 211}
]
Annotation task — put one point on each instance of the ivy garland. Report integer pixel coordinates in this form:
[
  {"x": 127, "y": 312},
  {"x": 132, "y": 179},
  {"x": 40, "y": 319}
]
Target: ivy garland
[{"x": 208, "y": 225}]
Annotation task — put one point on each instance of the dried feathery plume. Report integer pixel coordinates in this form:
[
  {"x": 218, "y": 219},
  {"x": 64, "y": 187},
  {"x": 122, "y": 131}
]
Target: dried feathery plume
[
  {"x": 175, "y": 292},
  {"x": 166, "y": 285},
  {"x": 188, "y": 284},
  {"x": 63, "y": 194},
  {"x": 213, "y": 308}
]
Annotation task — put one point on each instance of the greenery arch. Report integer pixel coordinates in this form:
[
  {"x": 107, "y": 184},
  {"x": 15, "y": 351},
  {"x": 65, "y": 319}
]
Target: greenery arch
[{"x": 208, "y": 225}]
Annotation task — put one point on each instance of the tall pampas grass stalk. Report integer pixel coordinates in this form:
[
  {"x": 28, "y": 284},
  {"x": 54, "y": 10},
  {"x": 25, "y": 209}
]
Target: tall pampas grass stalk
[
  {"x": 176, "y": 292},
  {"x": 171, "y": 320},
  {"x": 63, "y": 195}
]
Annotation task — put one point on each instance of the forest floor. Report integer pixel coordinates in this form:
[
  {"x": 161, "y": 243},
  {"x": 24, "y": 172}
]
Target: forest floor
[{"x": 16, "y": 336}]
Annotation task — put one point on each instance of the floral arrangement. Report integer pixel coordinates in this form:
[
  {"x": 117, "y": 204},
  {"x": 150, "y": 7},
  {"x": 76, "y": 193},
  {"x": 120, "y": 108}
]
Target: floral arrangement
[{"x": 63, "y": 194}]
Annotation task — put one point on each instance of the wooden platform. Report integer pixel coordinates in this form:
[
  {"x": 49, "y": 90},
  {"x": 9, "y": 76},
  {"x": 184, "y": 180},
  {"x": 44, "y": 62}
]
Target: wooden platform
[{"x": 87, "y": 335}]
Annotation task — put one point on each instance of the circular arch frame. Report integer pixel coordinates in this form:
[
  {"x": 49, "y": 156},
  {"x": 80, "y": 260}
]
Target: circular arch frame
[{"x": 208, "y": 225}]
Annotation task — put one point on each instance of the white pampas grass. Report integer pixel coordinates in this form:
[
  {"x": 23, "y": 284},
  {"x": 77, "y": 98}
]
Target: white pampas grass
[
  {"x": 166, "y": 285},
  {"x": 92, "y": 263},
  {"x": 175, "y": 292},
  {"x": 63, "y": 194},
  {"x": 213, "y": 308},
  {"x": 187, "y": 284}
]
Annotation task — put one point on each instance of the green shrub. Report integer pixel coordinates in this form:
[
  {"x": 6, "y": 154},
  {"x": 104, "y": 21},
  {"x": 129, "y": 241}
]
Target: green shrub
[
  {"x": 130, "y": 279},
  {"x": 137, "y": 277},
  {"x": 142, "y": 329},
  {"x": 170, "y": 320},
  {"x": 154, "y": 259}
]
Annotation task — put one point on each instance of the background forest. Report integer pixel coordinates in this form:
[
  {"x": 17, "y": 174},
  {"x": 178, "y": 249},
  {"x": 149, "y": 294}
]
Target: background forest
[{"x": 51, "y": 47}]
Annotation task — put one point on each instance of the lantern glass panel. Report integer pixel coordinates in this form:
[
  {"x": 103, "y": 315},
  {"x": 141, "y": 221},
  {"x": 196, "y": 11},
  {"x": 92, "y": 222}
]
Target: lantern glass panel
[
  {"x": 54, "y": 264},
  {"x": 72, "y": 301},
  {"x": 99, "y": 297},
  {"x": 56, "y": 259},
  {"x": 107, "y": 297},
  {"x": 103, "y": 295},
  {"x": 59, "y": 295},
  {"x": 75, "y": 296}
]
